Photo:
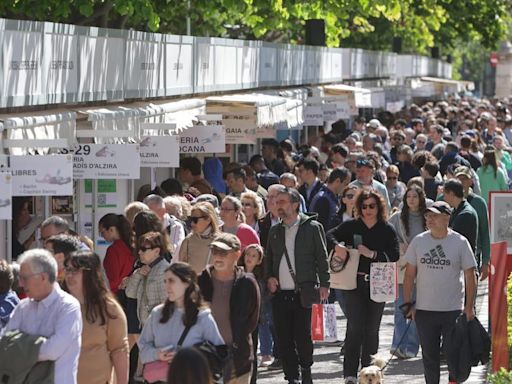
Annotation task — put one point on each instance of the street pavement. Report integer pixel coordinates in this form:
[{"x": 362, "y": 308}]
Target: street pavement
[{"x": 328, "y": 366}]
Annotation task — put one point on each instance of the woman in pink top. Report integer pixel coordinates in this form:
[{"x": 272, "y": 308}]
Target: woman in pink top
[{"x": 234, "y": 222}]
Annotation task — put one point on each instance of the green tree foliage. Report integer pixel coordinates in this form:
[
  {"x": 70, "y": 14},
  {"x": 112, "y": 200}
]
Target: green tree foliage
[{"x": 370, "y": 24}]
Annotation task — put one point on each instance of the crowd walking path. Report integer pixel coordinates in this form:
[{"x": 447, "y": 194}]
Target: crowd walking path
[{"x": 328, "y": 366}]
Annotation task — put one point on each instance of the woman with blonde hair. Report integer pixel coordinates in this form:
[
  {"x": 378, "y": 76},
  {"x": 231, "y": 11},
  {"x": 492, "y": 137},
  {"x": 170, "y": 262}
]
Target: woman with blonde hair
[
  {"x": 195, "y": 248},
  {"x": 251, "y": 209}
]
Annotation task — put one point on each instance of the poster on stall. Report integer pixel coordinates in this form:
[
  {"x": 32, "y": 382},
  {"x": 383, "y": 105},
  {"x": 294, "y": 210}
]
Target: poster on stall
[
  {"x": 203, "y": 139},
  {"x": 50, "y": 175},
  {"x": 330, "y": 113},
  {"x": 106, "y": 161},
  {"x": 106, "y": 194},
  {"x": 313, "y": 115},
  {"x": 5, "y": 195},
  {"x": 160, "y": 152}
]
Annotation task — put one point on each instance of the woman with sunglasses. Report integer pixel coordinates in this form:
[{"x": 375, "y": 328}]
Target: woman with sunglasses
[
  {"x": 234, "y": 222},
  {"x": 396, "y": 189},
  {"x": 146, "y": 284},
  {"x": 376, "y": 241},
  {"x": 408, "y": 223},
  {"x": 148, "y": 221},
  {"x": 251, "y": 209},
  {"x": 195, "y": 248},
  {"x": 104, "y": 332},
  {"x": 183, "y": 307}
]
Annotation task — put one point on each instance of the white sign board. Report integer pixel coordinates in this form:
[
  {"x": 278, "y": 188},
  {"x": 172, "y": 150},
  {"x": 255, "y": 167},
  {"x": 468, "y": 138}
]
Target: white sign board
[
  {"x": 240, "y": 127},
  {"x": 330, "y": 113},
  {"x": 395, "y": 106},
  {"x": 42, "y": 175},
  {"x": 266, "y": 132},
  {"x": 203, "y": 139},
  {"x": 5, "y": 195},
  {"x": 343, "y": 110},
  {"x": 160, "y": 152},
  {"x": 313, "y": 115},
  {"x": 106, "y": 161}
]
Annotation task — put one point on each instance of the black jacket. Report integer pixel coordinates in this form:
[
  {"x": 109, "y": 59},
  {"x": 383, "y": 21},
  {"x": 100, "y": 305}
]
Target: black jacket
[
  {"x": 467, "y": 345},
  {"x": 303, "y": 192},
  {"x": 244, "y": 305}
]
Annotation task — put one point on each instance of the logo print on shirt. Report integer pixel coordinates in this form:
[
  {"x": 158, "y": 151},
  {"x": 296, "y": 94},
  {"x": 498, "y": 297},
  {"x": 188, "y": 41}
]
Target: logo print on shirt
[{"x": 435, "y": 258}]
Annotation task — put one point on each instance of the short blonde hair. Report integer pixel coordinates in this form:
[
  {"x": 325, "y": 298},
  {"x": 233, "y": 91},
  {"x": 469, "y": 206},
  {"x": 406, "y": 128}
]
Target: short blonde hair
[
  {"x": 131, "y": 210},
  {"x": 173, "y": 206},
  {"x": 250, "y": 195}
]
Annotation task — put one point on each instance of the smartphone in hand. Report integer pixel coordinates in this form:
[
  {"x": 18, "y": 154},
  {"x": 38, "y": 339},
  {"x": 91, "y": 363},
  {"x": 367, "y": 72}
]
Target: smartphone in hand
[{"x": 358, "y": 240}]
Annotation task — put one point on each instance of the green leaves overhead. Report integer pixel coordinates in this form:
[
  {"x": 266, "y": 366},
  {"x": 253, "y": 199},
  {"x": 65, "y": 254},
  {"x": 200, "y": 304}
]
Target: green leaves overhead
[{"x": 370, "y": 24}]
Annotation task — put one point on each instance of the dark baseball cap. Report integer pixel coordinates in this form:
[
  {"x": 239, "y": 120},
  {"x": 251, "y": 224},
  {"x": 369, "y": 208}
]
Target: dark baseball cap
[{"x": 440, "y": 207}]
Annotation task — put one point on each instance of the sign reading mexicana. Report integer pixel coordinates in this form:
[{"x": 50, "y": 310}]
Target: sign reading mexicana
[{"x": 203, "y": 139}]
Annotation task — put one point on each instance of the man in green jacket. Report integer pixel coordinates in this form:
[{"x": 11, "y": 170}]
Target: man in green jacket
[
  {"x": 483, "y": 242},
  {"x": 296, "y": 258}
]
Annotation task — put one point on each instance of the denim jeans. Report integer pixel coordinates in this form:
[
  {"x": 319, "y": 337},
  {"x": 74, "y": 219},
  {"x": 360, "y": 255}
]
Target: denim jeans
[
  {"x": 341, "y": 300},
  {"x": 410, "y": 343},
  {"x": 265, "y": 329}
]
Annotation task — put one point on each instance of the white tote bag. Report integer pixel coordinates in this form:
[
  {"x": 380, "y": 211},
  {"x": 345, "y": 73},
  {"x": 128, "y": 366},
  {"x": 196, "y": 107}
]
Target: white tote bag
[
  {"x": 383, "y": 282},
  {"x": 347, "y": 278}
]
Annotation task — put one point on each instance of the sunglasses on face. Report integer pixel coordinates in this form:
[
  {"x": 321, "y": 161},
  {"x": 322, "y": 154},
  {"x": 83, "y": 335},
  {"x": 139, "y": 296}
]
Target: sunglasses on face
[
  {"x": 145, "y": 249},
  {"x": 369, "y": 206},
  {"x": 195, "y": 219}
]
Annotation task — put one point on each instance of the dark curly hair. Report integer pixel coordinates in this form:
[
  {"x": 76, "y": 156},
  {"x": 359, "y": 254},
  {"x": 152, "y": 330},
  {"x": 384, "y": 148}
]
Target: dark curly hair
[
  {"x": 366, "y": 194},
  {"x": 193, "y": 301}
]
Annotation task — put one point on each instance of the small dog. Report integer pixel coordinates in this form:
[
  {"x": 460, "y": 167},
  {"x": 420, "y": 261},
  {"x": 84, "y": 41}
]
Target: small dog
[{"x": 373, "y": 374}]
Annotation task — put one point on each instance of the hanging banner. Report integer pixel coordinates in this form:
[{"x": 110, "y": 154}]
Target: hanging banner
[
  {"x": 267, "y": 132},
  {"x": 5, "y": 195},
  {"x": 160, "y": 152},
  {"x": 313, "y": 115},
  {"x": 501, "y": 267},
  {"x": 241, "y": 127},
  {"x": 106, "y": 161},
  {"x": 330, "y": 113},
  {"x": 42, "y": 175},
  {"x": 203, "y": 139}
]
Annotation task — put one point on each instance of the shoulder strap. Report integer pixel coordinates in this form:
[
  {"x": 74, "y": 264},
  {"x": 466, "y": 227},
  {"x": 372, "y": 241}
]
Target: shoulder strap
[
  {"x": 183, "y": 335},
  {"x": 290, "y": 269}
]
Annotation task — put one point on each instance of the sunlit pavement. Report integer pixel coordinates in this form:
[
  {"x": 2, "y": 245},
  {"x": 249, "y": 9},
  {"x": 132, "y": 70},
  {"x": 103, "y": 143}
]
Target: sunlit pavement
[{"x": 328, "y": 366}]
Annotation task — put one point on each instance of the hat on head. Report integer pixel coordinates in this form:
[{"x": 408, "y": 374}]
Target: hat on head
[
  {"x": 226, "y": 242},
  {"x": 463, "y": 171},
  {"x": 373, "y": 123},
  {"x": 212, "y": 199},
  {"x": 440, "y": 207}
]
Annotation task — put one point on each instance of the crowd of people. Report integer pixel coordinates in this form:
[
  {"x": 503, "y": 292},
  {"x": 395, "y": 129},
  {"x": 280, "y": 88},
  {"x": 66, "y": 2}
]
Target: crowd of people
[{"x": 207, "y": 269}]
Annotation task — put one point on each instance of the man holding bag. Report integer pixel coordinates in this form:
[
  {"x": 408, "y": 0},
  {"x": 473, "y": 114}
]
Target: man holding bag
[{"x": 296, "y": 260}]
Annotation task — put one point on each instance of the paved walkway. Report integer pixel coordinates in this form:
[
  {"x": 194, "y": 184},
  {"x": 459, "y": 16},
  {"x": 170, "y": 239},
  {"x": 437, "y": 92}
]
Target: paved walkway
[{"x": 328, "y": 367}]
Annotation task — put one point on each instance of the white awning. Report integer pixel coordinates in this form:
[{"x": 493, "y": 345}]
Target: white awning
[
  {"x": 31, "y": 132},
  {"x": 462, "y": 85},
  {"x": 361, "y": 97}
]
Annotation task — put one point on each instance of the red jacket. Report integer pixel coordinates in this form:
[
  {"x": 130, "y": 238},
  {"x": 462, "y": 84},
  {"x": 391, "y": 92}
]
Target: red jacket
[{"x": 118, "y": 264}]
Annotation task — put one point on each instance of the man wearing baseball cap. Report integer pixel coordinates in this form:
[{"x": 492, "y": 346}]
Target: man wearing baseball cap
[
  {"x": 442, "y": 263},
  {"x": 234, "y": 299}
]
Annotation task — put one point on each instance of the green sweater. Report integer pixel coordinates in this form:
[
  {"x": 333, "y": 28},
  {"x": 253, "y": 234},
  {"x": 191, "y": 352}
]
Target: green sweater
[{"x": 489, "y": 182}]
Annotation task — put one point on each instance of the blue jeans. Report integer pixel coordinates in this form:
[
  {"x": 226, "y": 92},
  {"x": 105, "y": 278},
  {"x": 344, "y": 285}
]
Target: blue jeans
[
  {"x": 265, "y": 329},
  {"x": 411, "y": 342}
]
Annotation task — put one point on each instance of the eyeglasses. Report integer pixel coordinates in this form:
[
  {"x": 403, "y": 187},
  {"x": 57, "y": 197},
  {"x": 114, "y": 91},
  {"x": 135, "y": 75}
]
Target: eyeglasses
[
  {"x": 145, "y": 249},
  {"x": 26, "y": 277},
  {"x": 195, "y": 219},
  {"x": 369, "y": 206}
]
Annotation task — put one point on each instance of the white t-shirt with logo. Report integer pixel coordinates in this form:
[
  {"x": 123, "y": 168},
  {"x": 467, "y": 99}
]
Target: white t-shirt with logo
[{"x": 440, "y": 270}]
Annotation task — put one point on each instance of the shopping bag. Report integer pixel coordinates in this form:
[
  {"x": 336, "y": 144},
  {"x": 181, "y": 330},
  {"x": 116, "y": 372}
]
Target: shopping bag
[
  {"x": 317, "y": 322},
  {"x": 323, "y": 322},
  {"x": 383, "y": 282},
  {"x": 345, "y": 278}
]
